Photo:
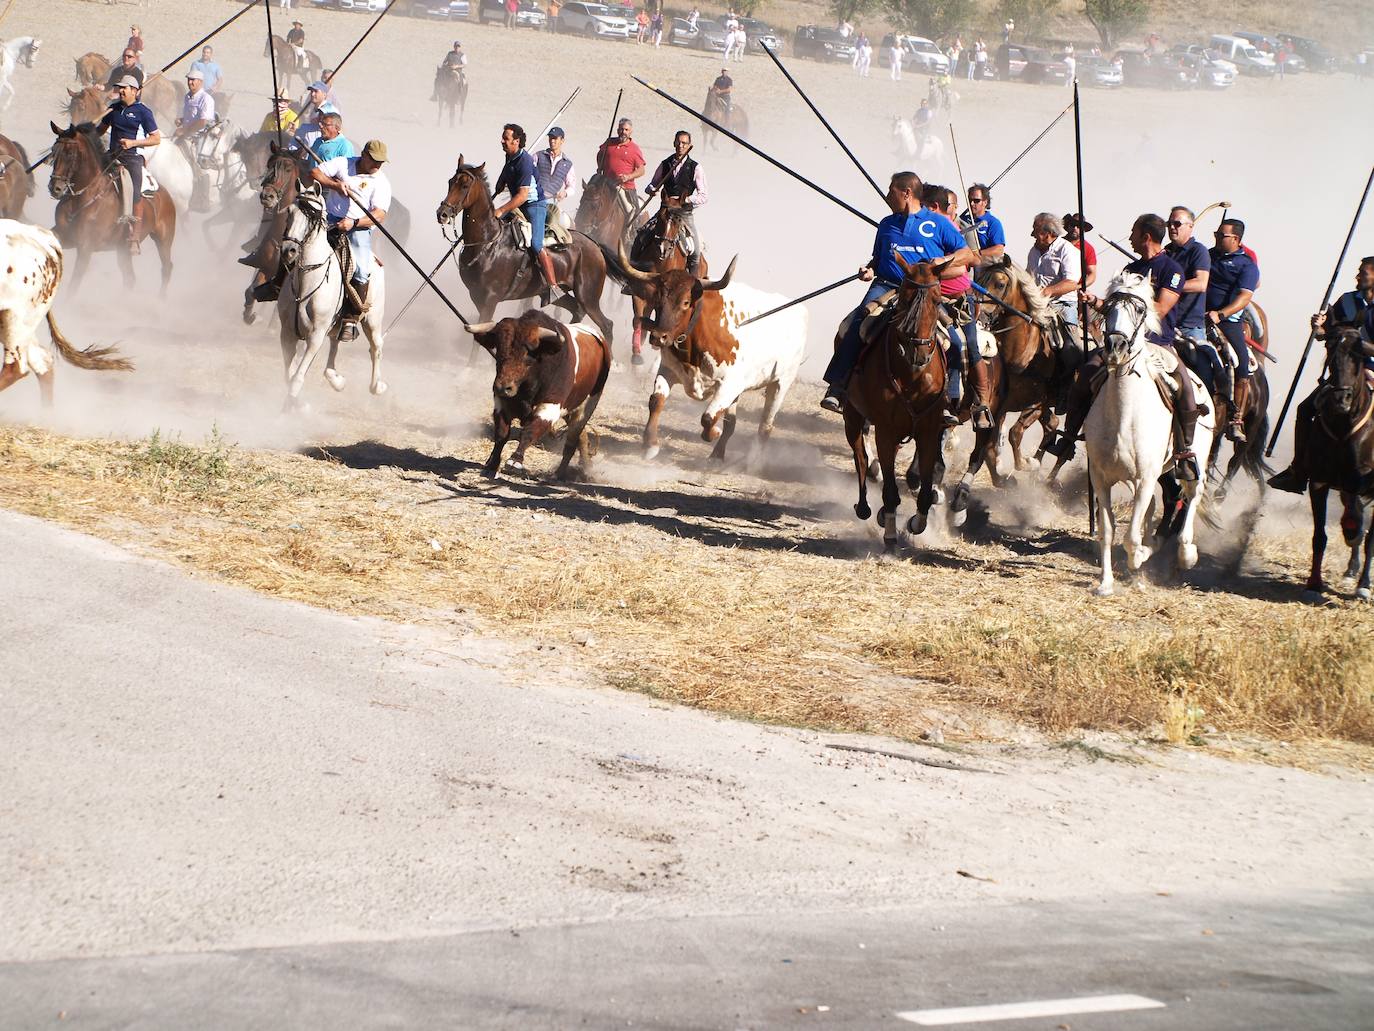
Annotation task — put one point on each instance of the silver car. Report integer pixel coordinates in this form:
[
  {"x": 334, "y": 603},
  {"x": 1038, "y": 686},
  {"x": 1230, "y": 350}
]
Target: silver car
[
  {"x": 593, "y": 20},
  {"x": 682, "y": 33},
  {"x": 1095, "y": 71}
]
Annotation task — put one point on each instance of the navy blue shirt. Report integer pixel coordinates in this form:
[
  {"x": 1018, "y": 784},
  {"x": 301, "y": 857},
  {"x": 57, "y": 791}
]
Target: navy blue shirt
[
  {"x": 125, "y": 122},
  {"x": 1231, "y": 273},
  {"x": 1193, "y": 258},
  {"x": 1166, "y": 274},
  {"x": 517, "y": 174},
  {"x": 924, "y": 236},
  {"x": 1350, "y": 308}
]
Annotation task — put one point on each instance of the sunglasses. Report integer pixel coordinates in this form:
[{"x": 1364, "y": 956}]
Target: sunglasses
[
  {"x": 1226, "y": 236},
  {"x": 1176, "y": 224}
]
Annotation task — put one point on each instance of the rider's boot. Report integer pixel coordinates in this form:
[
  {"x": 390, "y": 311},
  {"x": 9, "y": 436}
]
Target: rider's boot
[
  {"x": 1081, "y": 393},
  {"x": 270, "y": 289},
  {"x": 131, "y": 231},
  {"x": 953, "y": 395},
  {"x": 1235, "y": 430},
  {"x": 545, "y": 263},
  {"x": 1294, "y": 478},
  {"x": 352, "y": 312},
  {"x": 1070, "y": 360},
  {"x": 1186, "y": 413},
  {"x": 694, "y": 264},
  {"x": 981, "y": 381}
]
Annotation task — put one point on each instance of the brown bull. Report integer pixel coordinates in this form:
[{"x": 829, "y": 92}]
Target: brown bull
[{"x": 545, "y": 371}]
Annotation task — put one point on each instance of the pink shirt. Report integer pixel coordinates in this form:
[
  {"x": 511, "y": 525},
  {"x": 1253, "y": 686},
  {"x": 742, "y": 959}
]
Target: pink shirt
[{"x": 954, "y": 287}]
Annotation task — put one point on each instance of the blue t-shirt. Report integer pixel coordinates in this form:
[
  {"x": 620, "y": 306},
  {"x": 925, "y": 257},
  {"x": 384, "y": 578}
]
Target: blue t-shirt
[
  {"x": 517, "y": 173},
  {"x": 124, "y": 123},
  {"x": 339, "y": 147},
  {"x": 924, "y": 236},
  {"x": 1193, "y": 258},
  {"x": 1231, "y": 273},
  {"x": 1166, "y": 274},
  {"x": 210, "y": 73},
  {"x": 990, "y": 232}
]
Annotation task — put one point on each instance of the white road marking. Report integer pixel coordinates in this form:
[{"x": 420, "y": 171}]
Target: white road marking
[{"x": 1021, "y": 1010}]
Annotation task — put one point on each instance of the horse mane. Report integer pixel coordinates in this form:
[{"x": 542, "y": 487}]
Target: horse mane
[
  {"x": 1039, "y": 305},
  {"x": 479, "y": 175},
  {"x": 1138, "y": 286},
  {"x": 89, "y": 134}
]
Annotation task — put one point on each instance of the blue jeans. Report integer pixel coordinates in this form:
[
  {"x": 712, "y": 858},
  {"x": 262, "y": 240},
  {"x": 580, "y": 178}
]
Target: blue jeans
[
  {"x": 360, "y": 246},
  {"x": 847, "y": 354},
  {"x": 1200, "y": 356},
  {"x": 537, "y": 211},
  {"x": 1233, "y": 329},
  {"x": 1068, "y": 311}
]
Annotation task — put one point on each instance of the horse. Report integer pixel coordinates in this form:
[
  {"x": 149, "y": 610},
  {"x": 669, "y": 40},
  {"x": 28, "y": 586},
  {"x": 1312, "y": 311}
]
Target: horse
[
  {"x": 600, "y": 214},
  {"x": 33, "y": 256},
  {"x": 656, "y": 249},
  {"x": 16, "y": 181},
  {"x": 277, "y": 195},
  {"x": 1129, "y": 431},
  {"x": 495, "y": 267},
  {"x": 1254, "y": 421},
  {"x": 1340, "y": 456},
  {"x": 89, "y": 103},
  {"x": 93, "y": 69},
  {"x": 289, "y": 64},
  {"x": 23, "y": 50},
  {"x": 452, "y": 91},
  {"x": 899, "y": 388},
  {"x": 313, "y": 296},
  {"x": 219, "y": 151},
  {"x": 89, "y": 207},
  {"x": 733, "y": 119},
  {"x": 926, "y": 153}
]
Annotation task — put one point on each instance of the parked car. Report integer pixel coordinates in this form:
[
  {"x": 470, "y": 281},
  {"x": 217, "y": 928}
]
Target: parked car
[
  {"x": 455, "y": 9},
  {"x": 1096, "y": 71},
  {"x": 528, "y": 14},
  {"x": 757, "y": 34},
  {"x": 1208, "y": 55},
  {"x": 1270, "y": 46},
  {"x": 593, "y": 20},
  {"x": 822, "y": 44},
  {"x": 710, "y": 35},
  {"x": 1156, "y": 71},
  {"x": 1243, "y": 55},
  {"x": 1207, "y": 74},
  {"x": 921, "y": 54},
  {"x": 682, "y": 33},
  {"x": 1317, "y": 57},
  {"x": 1039, "y": 65}
]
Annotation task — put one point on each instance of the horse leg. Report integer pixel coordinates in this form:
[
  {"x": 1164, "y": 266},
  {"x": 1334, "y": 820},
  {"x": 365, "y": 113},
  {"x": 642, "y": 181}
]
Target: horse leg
[
  {"x": 927, "y": 453},
  {"x": 1137, "y": 551},
  {"x": 126, "y": 264},
  {"x": 331, "y": 374},
  {"x": 1317, "y": 496},
  {"x": 163, "y": 241},
  {"x": 372, "y": 327},
  {"x": 886, "y": 442},
  {"x": 1106, "y": 530},
  {"x": 727, "y": 431},
  {"x": 1363, "y": 592},
  {"x": 1187, "y": 550},
  {"x": 657, "y": 399},
  {"x": 312, "y": 348},
  {"x": 854, "y": 433}
]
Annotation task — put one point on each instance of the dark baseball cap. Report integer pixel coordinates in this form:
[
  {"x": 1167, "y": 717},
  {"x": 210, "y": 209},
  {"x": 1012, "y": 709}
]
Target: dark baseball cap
[{"x": 555, "y": 131}]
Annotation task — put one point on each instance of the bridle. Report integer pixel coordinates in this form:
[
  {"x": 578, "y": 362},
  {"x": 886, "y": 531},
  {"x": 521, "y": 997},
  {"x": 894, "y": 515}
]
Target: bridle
[
  {"x": 281, "y": 167},
  {"x": 1115, "y": 343},
  {"x": 312, "y": 208},
  {"x": 1348, "y": 398},
  {"x": 911, "y": 320},
  {"x": 61, "y": 186}
]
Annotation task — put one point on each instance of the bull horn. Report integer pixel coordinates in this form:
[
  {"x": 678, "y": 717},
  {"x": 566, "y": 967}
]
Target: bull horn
[
  {"x": 74, "y": 93},
  {"x": 723, "y": 281},
  {"x": 547, "y": 335},
  {"x": 479, "y": 327},
  {"x": 630, "y": 271}
]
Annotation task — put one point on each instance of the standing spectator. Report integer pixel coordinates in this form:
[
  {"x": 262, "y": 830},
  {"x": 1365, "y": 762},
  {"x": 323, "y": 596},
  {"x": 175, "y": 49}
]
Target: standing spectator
[
  {"x": 863, "y": 57},
  {"x": 135, "y": 42},
  {"x": 692, "y": 17},
  {"x": 656, "y": 26},
  {"x": 1073, "y": 68},
  {"x": 894, "y": 61},
  {"x": 955, "y": 50},
  {"x": 1281, "y": 60},
  {"x": 512, "y": 9},
  {"x": 979, "y": 68},
  {"x": 1003, "y": 63},
  {"x": 554, "y": 7},
  {"x": 1007, "y": 29},
  {"x": 642, "y": 25}
]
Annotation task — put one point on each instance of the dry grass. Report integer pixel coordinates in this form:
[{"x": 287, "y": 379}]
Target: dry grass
[{"x": 861, "y": 644}]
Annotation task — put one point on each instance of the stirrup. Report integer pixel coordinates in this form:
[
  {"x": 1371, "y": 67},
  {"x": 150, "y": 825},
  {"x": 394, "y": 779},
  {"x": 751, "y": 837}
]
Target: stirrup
[
  {"x": 348, "y": 329},
  {"x": 1290, "y": 481},
  {"x": 982, "y": 417},
  {"x": 833, "y": 401},
  {"x": 1185, "y": 464},
  {"x": 1235, "y": 432}
]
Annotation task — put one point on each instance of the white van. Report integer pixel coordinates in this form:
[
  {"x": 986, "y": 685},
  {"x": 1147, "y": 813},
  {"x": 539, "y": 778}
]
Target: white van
[{"x": 1242, "y": 53}]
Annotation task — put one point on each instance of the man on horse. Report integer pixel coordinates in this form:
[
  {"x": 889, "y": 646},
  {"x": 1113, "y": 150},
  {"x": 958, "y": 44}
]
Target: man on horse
[
  {"x": 197, "y": 112},
  {"x": 920, "y": 236},
  {"x": 1074, "y": 230},
  {"x": 281, "y": 118},
  {"x": 453, "y": 64},
  {"x": 681, "y": 185},
  {"x": 518, "y": 178},
  {"x": 1229, "y": 291},
  {"x": 1351, "y": 309},
  {"x": 1194, "y": 347},
  {"x": 317, "y": 102},
  {"x": 1166, "y": 275},
  {"x": 1057, "y": 266},
  {"x": 621, "y": 160},
  {"x": 723, "y": 90},
  {"x": 956, "y": 296},
  {"x": 128, "y": 65},
  {"x": 362, "y": 178},
  {"x": 992, "y": 238},
  {"x": 325, "y": 140},
  {"x": 922, "y": 120},
  {"x": 555, "y": 172},
  {"x": 125, "y": 119},
  {"x": 295, "y": 39}
]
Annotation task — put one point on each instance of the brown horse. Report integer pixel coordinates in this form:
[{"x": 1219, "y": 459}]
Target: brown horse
[
  {"x": 1255, "y": 422},
  {"x": 452, "y": 90},
  {"x": 280, "y": 186},
  {"x": 656, "y": 250},
  {"x": 89, "y": 103},
  {"x": 495, "y": 268},
  {"x": 289, "y": 65},
  {"x": 899, "y": 387},
  {"x": 1340, "y": 454},
  {"x": 734, "y": 119},
  {"x": 16, "y": 182},
  {"x": 85, "y": 185},
  {"x": 93, "y": 69},
  {"x": 600, "y": 214}
]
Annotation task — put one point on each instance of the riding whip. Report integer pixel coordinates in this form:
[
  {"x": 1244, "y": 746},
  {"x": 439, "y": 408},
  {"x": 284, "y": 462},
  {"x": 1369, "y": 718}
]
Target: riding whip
[
  {"x": 454, "y": 246},
  {"x": 203, "y": 39},
  {"x": 755, "y": 150},
  {"x": 828, "y": 128},
  {"x": 804, "y": 297},
  {"x": 1326, "y": 299}
]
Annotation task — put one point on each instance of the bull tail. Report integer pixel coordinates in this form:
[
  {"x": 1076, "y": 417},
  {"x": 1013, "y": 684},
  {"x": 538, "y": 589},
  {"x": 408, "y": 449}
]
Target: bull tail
[{"x": 98, "y": 358}]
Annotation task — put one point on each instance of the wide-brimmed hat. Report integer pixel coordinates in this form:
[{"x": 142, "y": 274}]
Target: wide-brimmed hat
[
  {"x": 128, "y": 80},
  {"x": 1071, "y": 222},
  {"x": 298, "y": 23},
  {"x": 282, "y": 95},
  {"x": 375, "y": 149}
]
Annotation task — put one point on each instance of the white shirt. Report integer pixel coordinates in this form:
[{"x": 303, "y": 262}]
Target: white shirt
[
  {"x": 1061, "y": 261},
  {"x": 197, "y": 107},
  {"x": 374, "y": 189}
]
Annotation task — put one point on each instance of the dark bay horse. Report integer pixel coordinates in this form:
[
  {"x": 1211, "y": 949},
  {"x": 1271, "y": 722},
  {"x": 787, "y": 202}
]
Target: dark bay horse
[
  {"x": 495, "y": 268},
  {"x": 1248, "y": 455},
  {"x": 280, "y": 185},
  {"x": 1340, "y": 455},
  {"x": 899, "y": 387},
  {"x": 84, "y": 184},
  {"x": 16, "y": 183},
  {"x": 452, "y": 90},
  {"x": 600, "y": 214},
  {"x": 734, "y": 119},
  {"x": 289, "y": 65}
]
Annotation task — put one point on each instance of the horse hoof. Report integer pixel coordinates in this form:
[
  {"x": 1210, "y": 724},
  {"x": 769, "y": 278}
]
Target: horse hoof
[
  {"x": 1141, "y": 555},
  {"x": 1187, "y": 556},
  {"x": 249, "y": 316},
  {"x": 1104, "y": 590},
  {"x": 1363, "y": 594},
  {"x": 958, "y": 519},
  {"x": 916, "y": 525},
  {"x": 1314, "y": 596},
  {"x": 636, "y": 359},
  {"x": 882, "y": 518},
  {"x": 862, "y": 510},
  {"x": 1009, "y": 481},
  {"x": 380, "y": 388},
  {"x": 959, "y": 500},
  {"x": 334, "y": 379},
  {"x": 874, "y": 470},
  {"x": 514, "y": 466},
  {"x": 650, "y": 453},
  {"x": 939, "y": 496}
]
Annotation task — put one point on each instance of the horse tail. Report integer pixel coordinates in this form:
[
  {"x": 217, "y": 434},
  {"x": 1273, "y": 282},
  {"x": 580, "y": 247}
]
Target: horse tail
[
  {"x": 1253, "y": 457},
  {"x": 92, "y": 357},
  {"x": 24, "y": 157}
]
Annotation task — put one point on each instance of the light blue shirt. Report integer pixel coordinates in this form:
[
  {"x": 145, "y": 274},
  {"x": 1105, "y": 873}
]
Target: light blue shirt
[{"x": 210, "y": 72}]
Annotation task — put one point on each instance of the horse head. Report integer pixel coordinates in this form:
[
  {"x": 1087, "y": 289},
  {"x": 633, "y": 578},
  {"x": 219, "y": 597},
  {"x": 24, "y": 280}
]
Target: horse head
[
  {"x": 465, "y": 186},
  {"x": 303, "y": 219},
  {"x": 918, "y": 308},
  {"x": 85, "y": 105},
  {"x": 280, "y": 180},
  {"x": 1346, "y": 386},
  {"x": 1127, "y": 313},
  {"x": 28, "y": 53},
  {"x": 67, "y": 154},
  {"x": 597, "y": 204},
  {"x": 209, "y": 149}
]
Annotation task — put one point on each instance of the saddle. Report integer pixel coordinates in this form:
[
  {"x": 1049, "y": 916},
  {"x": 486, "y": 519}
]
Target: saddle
[
  {"x": 555, "y": 234},
  {"x": 647, "y": 234},
  {"x": 150, "y": 183}
]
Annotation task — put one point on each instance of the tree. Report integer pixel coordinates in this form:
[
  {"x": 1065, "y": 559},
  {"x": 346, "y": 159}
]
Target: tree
[
  {"x": 1114, "y": 18},
  {"x": 930, "y": 18},
  {"x": 849, "y": 10},
  {"x": 1030, "y": 15}
]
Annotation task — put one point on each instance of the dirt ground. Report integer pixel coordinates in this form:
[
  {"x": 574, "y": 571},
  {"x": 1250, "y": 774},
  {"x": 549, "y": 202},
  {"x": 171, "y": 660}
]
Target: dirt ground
[{"x": 782, "y": 517}]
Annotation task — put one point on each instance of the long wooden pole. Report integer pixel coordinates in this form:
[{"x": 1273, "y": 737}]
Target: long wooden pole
[
  {"x": 272, "y": 54},
  {"x": 1082, "y": 276}
]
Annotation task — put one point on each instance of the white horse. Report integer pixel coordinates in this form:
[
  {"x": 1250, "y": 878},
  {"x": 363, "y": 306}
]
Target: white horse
[
  {"x": 33, "y": 257},
  {"x": 1129, "y": 431},
  {"x": 926, "y": 154},
  {"x": 234, "y": 194},
  {"x": 313, "y": 296},
  {"x": 22, "y": 50},
  {"x": 173, "y": 172}
]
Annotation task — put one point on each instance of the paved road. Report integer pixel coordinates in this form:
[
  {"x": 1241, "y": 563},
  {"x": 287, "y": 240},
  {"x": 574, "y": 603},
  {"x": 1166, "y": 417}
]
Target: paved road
[{"x": 223, "y": 810}]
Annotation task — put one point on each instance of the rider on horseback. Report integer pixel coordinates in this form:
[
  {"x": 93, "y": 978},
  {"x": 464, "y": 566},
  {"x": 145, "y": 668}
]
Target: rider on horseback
[
  {"x": 518, "y": 178},
  {"x": 683, "y": 186},
  {"x": 1057, "y": 267},
  {"x": 621, "y": 160},
  {"x": 295, "y": 39},
  {"x": 281, "y": 117},
  {"x": 360, "y": 177},
  {"x": 1351, "y": 309},
  {"x": 1232, "y": 285},
  {"x": 125, "y": 119},
  {"x": 453, "y": 64},
  {"x": 921, "y": 236},
  {"x": 992, "y": 238},
  {"x": 922, "y": 120},
  {"x": 1147, "y": 240},
  {"x": 1193, "y": 344},
  {"x": 554, "y": 170},
  {"x": 961, "y": 307},
  {"x": 722, "y": 89},
  {"x": 128, "y": 65}
]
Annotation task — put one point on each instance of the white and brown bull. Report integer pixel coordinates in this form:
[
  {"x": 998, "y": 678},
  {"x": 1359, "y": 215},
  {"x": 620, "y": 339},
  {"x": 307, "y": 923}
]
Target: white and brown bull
[
  {"x": 696, "y": 326},
  {"x": 545, "y": 371}
]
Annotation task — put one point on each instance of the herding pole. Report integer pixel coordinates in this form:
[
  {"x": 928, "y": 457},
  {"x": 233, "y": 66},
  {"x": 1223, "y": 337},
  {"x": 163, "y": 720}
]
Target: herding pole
[
  {"x": 272, "y": 53},
  {"x": 828, "y": 128},
  {"x": 616, "y": 113},
  {"x": 1326, "y": 299},
  {"x": 1031, "y": 146},
  {"x": 334, "y": 72},
  {"x": 1082, "y": 276}
]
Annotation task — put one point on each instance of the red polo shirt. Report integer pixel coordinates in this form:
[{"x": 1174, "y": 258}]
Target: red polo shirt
[{"x": 617, "y": 159}]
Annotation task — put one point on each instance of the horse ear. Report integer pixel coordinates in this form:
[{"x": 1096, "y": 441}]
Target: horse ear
[
  {"x": 56, "y": 131},
  {"x": 584, "y": 184},
  {"x": 480, "y": 168},
  {"x": 902, "y": 263},
  {"x": 460, "y": 160},
  {"x": 74, "y": 93}
]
